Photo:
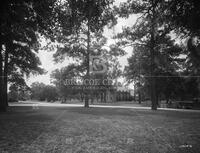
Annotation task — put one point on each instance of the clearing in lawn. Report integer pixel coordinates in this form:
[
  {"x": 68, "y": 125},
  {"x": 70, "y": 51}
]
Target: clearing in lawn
[{"x": 98, "y": 130}]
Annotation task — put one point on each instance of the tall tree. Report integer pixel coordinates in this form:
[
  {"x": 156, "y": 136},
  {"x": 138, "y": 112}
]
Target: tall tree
[
  {"x": 144, "y": 32},
  {"x": 168, "y": 67},
  {"x": 149, "y": 32},
  {"x": 20, "y": 22},
  {"x": 86, "y": 21}
]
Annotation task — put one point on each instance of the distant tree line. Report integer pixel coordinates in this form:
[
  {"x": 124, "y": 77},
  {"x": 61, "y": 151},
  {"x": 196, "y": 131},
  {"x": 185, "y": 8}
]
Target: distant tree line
[
  {"x": 37, "y": 91},
  {"x": 42, "y": 92}
]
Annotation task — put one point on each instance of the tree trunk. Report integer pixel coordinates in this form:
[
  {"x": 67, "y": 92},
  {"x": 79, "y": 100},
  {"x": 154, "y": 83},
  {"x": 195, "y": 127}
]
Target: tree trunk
[
  {"x": 88, "y": 63},
  {"x": 157, "y": 99},
  {"x": 5, "y": 78},
  {"x": 105, "y": 97},
  {"x": 153, "y": 94},
  {"x": 198, "y": 82},
  {"x": 101, "y": 96},
  {"x": 2, "y": 102},
  {"x": 139, "y": 97},
  {"x": 92, "y": 97},
  {"x": 86, "y": 100},
  {"x": 82, "y": 97},
  {"x": 139, "y": 85},
  {"x": 152, "y": 49},
  {"x": 167, "y": 100}
]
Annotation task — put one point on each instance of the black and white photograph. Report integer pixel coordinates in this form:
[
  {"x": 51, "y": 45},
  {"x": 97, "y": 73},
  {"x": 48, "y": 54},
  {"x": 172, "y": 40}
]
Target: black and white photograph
[{"x": 100, "y": 76}]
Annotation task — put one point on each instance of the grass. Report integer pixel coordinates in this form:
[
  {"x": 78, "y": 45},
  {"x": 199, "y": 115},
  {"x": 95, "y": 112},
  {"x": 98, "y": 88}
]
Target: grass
[{"x": 98, "y": 130}]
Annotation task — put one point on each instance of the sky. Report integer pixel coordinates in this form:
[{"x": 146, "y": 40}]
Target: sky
[{"x": 49, "y": 65}]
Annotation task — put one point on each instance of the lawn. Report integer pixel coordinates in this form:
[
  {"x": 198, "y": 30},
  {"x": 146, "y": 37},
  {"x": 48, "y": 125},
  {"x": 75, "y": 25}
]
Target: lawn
[{"x": 98, "y": 130}]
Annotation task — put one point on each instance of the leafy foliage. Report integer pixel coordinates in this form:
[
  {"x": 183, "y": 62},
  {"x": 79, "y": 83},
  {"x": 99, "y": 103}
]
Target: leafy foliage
[{"x": 40, "y": 91}]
